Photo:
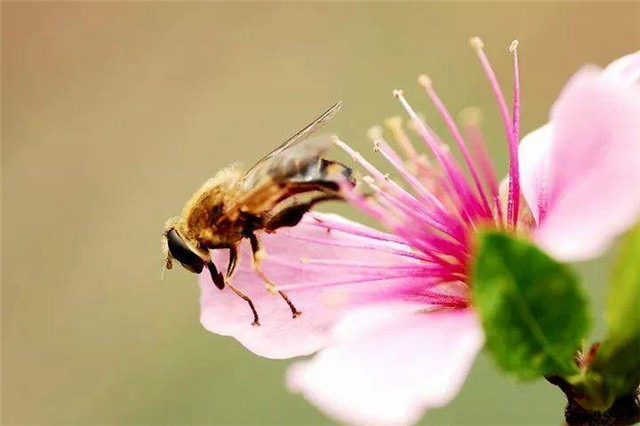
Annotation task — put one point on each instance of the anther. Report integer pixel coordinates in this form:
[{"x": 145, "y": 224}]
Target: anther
[
  {"x": 399, "y": 94},
  {"x": 376, "y": 146},
  {"x": 425, "y": 81},
  {"x": 411, "y": 125},
  {"x": 470, "y": 116},
  {"x": 476, "y": 43},
  {"x": 304, "y": 259},
  {"x": 513, "y": 46},
  {"x": 374, "y": 132},
  {"x": 393, "y": 122}
]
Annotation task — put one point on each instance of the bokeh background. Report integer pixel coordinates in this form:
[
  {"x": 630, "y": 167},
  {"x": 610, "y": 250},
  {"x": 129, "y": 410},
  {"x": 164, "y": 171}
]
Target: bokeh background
[{"x": 112, "y": 113}]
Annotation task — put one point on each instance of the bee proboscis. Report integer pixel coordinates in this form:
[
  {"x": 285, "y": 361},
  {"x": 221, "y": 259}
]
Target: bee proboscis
[{"x": 233, "y": 205}]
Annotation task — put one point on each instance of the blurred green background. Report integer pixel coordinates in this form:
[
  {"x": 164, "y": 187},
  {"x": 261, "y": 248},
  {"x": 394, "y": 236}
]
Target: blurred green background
[{"x": 112, "y": 113}]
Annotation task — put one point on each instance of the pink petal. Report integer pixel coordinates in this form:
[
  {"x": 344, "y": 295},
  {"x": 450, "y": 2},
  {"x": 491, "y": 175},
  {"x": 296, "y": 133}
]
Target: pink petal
[
  {"x": 579, "y": 173},
  {"x": 593, "y": 193},
  {"x": 533, "y": 155},
  {"x": 626, "y": 69},
  {"x": 388, "y": 365},
  {"x": 281, "y": 336}
]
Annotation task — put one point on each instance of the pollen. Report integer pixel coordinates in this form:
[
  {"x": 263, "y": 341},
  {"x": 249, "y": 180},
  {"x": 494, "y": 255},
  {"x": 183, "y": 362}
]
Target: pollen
[
  {"x": 476, "y": 43},
  {"x": 374, "y": 132},
  {"x": 425, "y": 81},
  {"x": 513, "y": 46},
  {"x": 411, "y": 124},
  {"x": 393, "y": 122},
  {"x": 471, "y": 116}
]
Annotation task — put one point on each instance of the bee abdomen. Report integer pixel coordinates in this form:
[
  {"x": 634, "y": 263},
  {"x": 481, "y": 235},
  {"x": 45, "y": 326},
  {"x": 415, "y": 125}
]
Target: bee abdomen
[
  {"x": 325, "y": 173},
  {"x": 320, "y": 181}
]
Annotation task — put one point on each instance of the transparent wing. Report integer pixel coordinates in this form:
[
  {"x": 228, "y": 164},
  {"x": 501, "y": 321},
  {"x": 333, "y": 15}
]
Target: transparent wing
[
  {"x": 287, "y": 164},
  {"x": 283, "y": 195},
  {"x": 297, "y": 146}
]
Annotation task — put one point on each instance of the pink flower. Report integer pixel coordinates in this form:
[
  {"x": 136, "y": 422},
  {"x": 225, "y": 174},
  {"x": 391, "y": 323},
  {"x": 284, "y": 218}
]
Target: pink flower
[
  {"x": 581, "y": 171},
  {"x": 391, "y": 311}
]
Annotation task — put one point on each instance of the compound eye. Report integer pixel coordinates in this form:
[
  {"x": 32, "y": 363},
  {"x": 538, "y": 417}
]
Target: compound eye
[{"x": 183, "y": 253}]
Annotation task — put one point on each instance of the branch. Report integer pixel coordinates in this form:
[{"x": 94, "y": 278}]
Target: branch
[{"x": 624, "y": 411}]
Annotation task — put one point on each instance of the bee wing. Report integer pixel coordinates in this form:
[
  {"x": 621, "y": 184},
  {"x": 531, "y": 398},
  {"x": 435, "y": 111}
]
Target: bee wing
[
  {"x": 267, "y": 184},
  {"x": 284, "y": 201},
  {"x": 297, "y": 146},
  {"x": 287, "y": 163}
]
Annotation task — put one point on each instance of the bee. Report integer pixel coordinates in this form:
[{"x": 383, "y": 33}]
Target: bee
[{"x": 234, "y": 205}]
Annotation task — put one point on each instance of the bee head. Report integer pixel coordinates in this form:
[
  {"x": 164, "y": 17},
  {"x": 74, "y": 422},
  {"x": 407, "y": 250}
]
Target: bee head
[{"x": 179, "y": 250}]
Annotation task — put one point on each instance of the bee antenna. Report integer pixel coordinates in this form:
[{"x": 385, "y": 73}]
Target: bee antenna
[
  {"x": 162, "y": 273},
  {"x": 165, "y": 265}
]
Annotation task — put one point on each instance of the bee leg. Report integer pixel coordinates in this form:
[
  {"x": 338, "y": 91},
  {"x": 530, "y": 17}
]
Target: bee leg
[
  {"x": 233, "y": 261},
  {"x": 221, "y": 281},
  {"x": 256, "y": 320},
  {"x": 258, "y": 255},
  {"x": 216, "y": 276},
  {"x": 294, "y": 312}
]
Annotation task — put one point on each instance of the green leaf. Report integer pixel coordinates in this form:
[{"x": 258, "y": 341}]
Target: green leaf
[
  {"x": 618, "y": 360},
  {"x": 533, "y": 311}
]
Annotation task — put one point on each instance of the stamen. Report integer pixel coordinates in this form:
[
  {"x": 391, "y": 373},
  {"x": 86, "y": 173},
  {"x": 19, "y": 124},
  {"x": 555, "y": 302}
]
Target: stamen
[
  {"x": 396, "y": 213},
  {"x": 471, "y": 116},
  {"x": 438, "y": 250},
  {"x": 425, "y": 81},
  {"x": 355, "y": 229},
  {"x": 394, "y": 124},
  {"x": 398, "y": 217},
  {"x": 363, "y": 269},
  {"x": 395, "y": 161},
  {"x": 392, "y": 218},
  {"x": 426, "y": 84},
  {"x": 373, "y": 269},
  {"x": 432, "y": 175},
  {"x": 418, "y": 164},
  {"x": 420, "y": 126},
  {"x": 468, "y": 201},
  {"x": 358, "y": 280},
  {"x": 444, "y": 300},
  {"x": 357, "y": 264},
  {"x": 374, "y": 132},
  {"x": 416, "y": 215},
  {"x": 441, "y": 219},
  {"x": 428, "y": 174},
  {"x": 478, "y": 45},
  {"x": 382, "y": 179},
  {"x": 360, "y": 160},
  {"x": 514, "y": 190},
  {"x": 471, "y": 119},
  {"x": 354, "y": 245},
  {"x": 389, "y": 218}
]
